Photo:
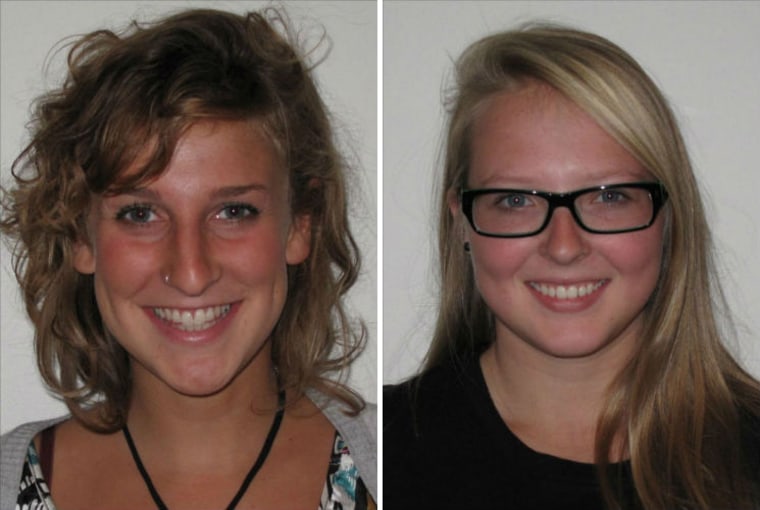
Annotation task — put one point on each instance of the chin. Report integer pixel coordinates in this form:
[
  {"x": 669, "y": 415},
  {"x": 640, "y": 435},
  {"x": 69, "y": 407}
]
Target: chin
[
  {"x": 574, "y": 352},
  {"x": 200, "y": 381},
  {"x": 574, "y": 348},
  {"x": 200, "y": 389}
]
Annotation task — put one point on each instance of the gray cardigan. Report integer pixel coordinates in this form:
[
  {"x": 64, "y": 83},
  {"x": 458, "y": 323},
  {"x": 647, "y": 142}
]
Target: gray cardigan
[{"x": 359, "y": 432}]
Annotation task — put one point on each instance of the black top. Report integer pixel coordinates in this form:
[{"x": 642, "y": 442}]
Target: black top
[{"x": 445, "y": 446}]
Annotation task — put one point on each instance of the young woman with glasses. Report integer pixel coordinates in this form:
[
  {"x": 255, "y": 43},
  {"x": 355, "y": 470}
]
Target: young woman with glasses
[{"x": 577, "y": 360}]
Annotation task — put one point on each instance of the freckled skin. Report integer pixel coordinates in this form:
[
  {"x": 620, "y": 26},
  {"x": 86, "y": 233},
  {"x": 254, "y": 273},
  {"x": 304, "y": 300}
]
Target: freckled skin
[
  {"x": 213, "y": 253},
  {"x": 536, "y": 139}
]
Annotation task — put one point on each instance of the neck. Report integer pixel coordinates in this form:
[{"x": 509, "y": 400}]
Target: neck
[
  {"x": 189, "y": 431},
  {"x": 552, "y": 404}
]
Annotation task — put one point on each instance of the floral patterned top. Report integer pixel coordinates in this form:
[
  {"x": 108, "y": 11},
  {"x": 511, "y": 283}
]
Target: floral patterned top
[{"x": 343, "y": 488}]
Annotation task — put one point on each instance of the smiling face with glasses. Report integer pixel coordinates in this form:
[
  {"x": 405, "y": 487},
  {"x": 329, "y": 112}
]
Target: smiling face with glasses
[{"x": 564, "y": 229}]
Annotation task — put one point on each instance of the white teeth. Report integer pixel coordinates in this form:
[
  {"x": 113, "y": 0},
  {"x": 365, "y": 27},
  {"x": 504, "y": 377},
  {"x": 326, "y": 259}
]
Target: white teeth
[
  {"x": 192, "y": 320},
  {"x": 566, "y": 291}
]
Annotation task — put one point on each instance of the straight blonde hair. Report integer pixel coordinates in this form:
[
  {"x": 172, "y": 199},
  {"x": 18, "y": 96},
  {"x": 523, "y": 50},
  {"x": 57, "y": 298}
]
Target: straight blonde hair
[{"x": 683, "y": 401}]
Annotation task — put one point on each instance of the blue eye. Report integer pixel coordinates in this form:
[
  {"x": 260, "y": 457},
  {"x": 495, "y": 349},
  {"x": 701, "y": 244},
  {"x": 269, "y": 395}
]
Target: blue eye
[
  {"x": 611, "y": 196},
  {"x": 136, "y": 213},
  {"x": 513, "y": 200},
  {"x": 237, "y": 212}
]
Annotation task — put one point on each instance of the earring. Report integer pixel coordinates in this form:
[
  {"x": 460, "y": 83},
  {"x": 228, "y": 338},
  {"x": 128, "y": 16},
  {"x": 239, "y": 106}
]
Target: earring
[
  {"x": 165, "y": 278},
  {"x": 467, "y": 246}
]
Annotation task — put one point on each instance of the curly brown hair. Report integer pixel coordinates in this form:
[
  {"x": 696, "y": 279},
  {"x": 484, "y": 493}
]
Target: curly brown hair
[{"x": 140, "y": 90}]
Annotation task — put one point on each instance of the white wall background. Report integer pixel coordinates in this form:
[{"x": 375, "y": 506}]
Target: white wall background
[
  {"x": 348, "y": 79},
  {"x": 704, "y": 56}
]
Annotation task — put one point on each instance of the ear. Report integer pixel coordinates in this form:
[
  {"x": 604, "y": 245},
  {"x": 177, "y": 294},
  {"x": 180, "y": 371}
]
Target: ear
[
  {"x": 455, "y": 209},
  {"x": 298, "y": 244},
  {"x": 84, "y": 257},
  {"x": 452, "y": 198}
]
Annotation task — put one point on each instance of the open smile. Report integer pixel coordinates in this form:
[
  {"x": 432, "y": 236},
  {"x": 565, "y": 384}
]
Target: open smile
[
  {"x": 564, "y": 292},
  {"x": 198, "y": 319}
]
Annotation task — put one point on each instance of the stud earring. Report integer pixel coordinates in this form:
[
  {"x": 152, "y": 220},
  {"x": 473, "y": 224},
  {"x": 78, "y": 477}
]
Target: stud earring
[
  {"x": 467, "y": 246},
  {"x": 165, "y": 278}
]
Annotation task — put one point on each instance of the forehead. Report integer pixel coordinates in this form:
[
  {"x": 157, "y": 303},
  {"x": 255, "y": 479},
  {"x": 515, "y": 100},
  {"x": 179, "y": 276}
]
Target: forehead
[
  {"x": 210, "y": 148},
  {"x": 214, "y": 143},
  {"x": 536, "y": 137}
]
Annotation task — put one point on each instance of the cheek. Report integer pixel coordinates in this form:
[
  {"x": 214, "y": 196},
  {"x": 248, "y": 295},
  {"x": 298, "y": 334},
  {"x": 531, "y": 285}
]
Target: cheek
[
  {"x": 254, "y": 259},
  {"x": 499, "y": 258},
  {"x": 636, "y": 254},
  {"x": 496, "y": 265},
  {"x": 123, "y": 265}
]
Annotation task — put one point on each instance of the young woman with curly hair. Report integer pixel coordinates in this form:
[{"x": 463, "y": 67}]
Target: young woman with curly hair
[{"x": 183, "y": 249}]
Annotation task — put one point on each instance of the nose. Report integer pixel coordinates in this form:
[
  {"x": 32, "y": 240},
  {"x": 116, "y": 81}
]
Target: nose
[
  {"x": 191, "y": 266},
  {"x": 564, "y": 240}
]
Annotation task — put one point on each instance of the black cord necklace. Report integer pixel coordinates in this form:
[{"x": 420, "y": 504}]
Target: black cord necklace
[{"x": 249, "y": 477}]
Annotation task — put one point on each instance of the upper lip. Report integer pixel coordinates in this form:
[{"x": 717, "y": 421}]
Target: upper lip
[
  {"x": 192, "y": 307},
  {"x": 566, "y": 281}
]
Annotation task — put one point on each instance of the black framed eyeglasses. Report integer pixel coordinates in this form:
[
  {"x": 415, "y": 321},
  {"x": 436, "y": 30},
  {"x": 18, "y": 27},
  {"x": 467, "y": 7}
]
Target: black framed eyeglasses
[{"x": 611, "y": 209}]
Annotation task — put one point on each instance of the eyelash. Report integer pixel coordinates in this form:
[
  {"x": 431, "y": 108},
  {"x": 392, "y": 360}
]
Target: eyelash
[
  {"x": 124, "y": 212},
  {"x": 249, "y": 212}
]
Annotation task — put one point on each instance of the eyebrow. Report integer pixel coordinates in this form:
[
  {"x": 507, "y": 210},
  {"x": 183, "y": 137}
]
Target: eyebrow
[
  {"x": 234, "y": 191},
  {"x": 499, "y": 181},
  {"x": 223, "y": 192}
]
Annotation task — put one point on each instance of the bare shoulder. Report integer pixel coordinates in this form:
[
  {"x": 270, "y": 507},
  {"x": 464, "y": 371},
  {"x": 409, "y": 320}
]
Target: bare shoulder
[
  {"x": 85, "y": 465},
  {"x": 305, "y": 425},
  {"x": 72, "y": 432},
  {"x": 296, "y": 467}
]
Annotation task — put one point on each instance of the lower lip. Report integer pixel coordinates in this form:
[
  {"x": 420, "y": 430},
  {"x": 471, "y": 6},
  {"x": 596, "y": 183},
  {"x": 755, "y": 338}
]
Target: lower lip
[
  {"x": 196, "y": 338},
  {"x": 577, "y": 304}
]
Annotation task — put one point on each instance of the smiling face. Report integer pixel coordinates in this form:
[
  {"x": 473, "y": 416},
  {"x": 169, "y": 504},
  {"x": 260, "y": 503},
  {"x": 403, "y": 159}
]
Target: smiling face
[
  {"x": 190, "y": 271},
  {"x": 564, "y": 293}
]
